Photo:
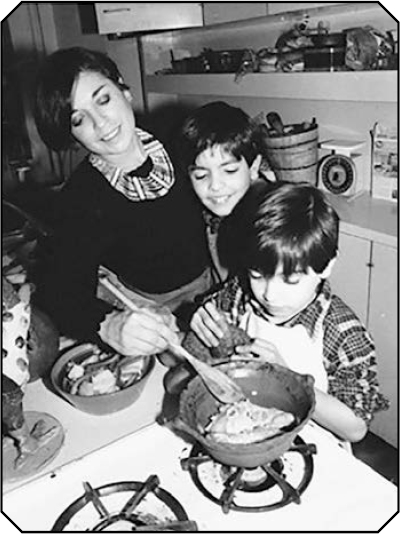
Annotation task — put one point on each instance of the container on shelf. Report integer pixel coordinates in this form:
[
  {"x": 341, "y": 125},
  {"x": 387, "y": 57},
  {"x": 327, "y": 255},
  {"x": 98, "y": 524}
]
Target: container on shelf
[
  {"x": 328, "y": 58},
  {"x": 294, "y": 157}
]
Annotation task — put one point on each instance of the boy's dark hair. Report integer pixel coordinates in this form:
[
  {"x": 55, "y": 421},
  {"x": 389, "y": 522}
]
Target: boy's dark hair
[
  {"x": 281, "y": 223},
  {"x": 54, "y": 86},
  {"x": 218, "y": 123}
]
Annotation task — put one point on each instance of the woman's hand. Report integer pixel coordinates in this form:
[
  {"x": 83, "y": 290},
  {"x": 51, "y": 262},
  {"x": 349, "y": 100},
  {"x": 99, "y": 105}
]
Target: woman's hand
[
  {"x": 209, "y": 324},
  {"x": 137, "y": 333},
  {"x": 262, "y": 350}
]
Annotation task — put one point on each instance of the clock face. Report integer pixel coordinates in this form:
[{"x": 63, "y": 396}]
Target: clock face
[{"x": 337, "y": 173}]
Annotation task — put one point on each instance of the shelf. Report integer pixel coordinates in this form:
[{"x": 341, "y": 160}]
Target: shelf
[{"x": 364, "y": 86}]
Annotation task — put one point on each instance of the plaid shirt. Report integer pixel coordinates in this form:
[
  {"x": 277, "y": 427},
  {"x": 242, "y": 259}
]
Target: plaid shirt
[
  {"x": 348, "y": 350},
  {"x": 156, "y": 180}
]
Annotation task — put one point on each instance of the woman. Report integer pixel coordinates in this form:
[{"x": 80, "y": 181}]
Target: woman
[{"x": 123, "y": 209}]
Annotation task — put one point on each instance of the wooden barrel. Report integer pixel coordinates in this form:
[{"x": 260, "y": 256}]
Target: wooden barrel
[{"x": 294, "y": 157}]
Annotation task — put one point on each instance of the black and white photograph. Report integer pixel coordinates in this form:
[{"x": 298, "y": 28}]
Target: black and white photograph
[{"x": 200, "y": 267}]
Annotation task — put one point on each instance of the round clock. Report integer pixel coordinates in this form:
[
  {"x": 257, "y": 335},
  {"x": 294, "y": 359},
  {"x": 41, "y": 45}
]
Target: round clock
[{"x": 337, "y": 173}]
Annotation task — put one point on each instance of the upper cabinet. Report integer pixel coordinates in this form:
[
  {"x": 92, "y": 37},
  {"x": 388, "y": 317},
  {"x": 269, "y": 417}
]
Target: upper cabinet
[{"x": 129, "y": 17}]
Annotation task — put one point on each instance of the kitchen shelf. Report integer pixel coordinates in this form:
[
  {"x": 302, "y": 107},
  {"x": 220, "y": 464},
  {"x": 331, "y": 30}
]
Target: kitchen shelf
[{"x": 363, "y": 86}]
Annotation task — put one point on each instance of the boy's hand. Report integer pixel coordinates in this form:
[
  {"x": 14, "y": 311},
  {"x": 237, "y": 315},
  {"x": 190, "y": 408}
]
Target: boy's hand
[
  {"x": 263, "y": 350},
  {"x": 209, "y": 324}
]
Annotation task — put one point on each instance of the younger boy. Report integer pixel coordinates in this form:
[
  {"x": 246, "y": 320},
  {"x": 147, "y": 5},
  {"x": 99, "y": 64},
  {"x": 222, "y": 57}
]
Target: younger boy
[
  {"x": 282, "y": 245},
  {"x": 219, "y": 150}
]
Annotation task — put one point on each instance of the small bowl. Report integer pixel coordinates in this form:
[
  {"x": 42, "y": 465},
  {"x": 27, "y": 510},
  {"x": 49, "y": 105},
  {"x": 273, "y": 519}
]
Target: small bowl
[{"x": 97, "y": 404}]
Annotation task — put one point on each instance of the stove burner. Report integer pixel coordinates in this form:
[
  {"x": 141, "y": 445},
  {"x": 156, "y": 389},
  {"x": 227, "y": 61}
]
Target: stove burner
[
  {"x": 261, "y": 489},
  {"x": 256, "y": 479},
  {"x": 136, "y": 507}
]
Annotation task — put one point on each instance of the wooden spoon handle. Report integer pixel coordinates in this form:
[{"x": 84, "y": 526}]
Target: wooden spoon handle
[
  {"x": 224, "y": 388},
  {"x": 275, "y": 122},
  {"x": 118, "y": 293}
]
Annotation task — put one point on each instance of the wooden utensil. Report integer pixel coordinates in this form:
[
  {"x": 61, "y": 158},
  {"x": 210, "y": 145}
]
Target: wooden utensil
[
  {"x": 218, "y": 383},
  {"x": 275, "y": 122}
]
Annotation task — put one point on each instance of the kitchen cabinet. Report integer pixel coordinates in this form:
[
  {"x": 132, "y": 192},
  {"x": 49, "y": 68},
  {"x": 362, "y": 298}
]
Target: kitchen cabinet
[
  {"x": 218, "y": 12},
  {"x": 351, "y": 273},
  {"x": 365, "y": 276},
  {"x": 383, "y": 324},
  {"x": 127, "y": 17},
  {"x": 281, "y": 7}
]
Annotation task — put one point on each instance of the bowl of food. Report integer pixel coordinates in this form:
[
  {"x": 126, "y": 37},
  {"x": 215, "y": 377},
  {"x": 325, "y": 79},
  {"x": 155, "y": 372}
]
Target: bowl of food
[
  {"x": 99, "y": 381},
  {"x": 257, "y": 430}
]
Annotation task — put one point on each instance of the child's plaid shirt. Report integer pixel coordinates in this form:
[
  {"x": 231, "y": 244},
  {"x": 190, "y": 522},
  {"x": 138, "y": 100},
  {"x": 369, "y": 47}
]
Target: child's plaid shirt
[{"x": 348, "y": 350}]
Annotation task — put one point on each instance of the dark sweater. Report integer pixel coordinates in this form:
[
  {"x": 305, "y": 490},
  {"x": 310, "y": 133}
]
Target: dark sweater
[{"x": 154, "y": 245}]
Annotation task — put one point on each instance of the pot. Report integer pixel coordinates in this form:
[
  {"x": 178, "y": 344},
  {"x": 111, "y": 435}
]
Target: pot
[
  {"x": 323, "y": 40},
  {"x": 265, "y": 384}
]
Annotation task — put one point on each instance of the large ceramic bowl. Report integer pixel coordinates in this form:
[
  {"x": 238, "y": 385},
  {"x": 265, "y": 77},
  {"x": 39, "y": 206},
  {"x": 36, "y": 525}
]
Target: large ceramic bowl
[
  {"x": 264, "y": 384},
  {"x": 97, "y": 404}
]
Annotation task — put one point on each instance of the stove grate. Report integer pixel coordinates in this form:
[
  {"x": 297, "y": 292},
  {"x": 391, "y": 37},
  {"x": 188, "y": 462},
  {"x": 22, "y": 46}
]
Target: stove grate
[
  {"x": 125, "y": 507},
  {"x": 261, "y": 489}
]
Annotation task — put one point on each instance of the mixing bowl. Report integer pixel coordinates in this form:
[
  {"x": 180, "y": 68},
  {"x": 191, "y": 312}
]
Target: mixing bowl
[
  {"x": 265, "y": 384},
  {"x": 97, "y": 404}
]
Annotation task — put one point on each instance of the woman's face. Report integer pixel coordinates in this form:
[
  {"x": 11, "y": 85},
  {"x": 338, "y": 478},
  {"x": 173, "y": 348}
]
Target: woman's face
[
  {"x": 220, "y": 180},
  {"x": 102, "y": 118}
]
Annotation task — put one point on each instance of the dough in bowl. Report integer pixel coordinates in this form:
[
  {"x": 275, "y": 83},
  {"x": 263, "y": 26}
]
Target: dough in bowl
[{"x": 245, "y": 422}]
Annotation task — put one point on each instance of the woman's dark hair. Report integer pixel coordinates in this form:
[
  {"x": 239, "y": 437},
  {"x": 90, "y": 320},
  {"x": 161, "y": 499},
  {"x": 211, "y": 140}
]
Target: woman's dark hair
[
  {"x": 54, "y": 86},
  {"x": 218, "y": 123},
  {"x": 281, "y": 223}
]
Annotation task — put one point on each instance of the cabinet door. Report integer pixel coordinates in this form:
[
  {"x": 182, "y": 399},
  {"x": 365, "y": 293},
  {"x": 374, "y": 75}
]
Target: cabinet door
[
  {"x": 217, "y": 12},
  {"x": 383, "y": 325},
  {"x": 279, "y": 7},
  {"x": 350, "y": 276}
]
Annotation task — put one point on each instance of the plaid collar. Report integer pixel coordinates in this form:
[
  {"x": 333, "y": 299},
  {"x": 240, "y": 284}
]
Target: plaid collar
[
  {"x": 310, "y": 317},
  {"x": 212, "y": 221},
  {"x": 151, "y": 180}
]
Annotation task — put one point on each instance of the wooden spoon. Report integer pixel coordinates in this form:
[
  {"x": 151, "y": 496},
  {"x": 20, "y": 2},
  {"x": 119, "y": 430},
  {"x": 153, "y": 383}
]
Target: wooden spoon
[
  {"x": 275, "y": 122},
  {"x": 224, "y": 388}
]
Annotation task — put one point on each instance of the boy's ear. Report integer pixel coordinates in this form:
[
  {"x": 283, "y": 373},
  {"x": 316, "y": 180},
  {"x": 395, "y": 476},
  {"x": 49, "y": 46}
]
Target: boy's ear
[
  {"x": 255, "y": 167},
  {"x": 328, "y": 269}
]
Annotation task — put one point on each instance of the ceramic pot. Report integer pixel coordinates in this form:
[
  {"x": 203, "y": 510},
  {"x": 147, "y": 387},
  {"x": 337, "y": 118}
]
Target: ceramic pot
[{"x": 264, "y": 384}]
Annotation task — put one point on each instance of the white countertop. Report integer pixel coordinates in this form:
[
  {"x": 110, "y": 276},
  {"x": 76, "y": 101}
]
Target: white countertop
[{"x": 367, "y": 217}]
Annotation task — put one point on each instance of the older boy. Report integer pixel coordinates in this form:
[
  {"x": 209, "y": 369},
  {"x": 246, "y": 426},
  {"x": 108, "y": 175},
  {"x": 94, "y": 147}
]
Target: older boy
[{"x": 219, "y": 150}]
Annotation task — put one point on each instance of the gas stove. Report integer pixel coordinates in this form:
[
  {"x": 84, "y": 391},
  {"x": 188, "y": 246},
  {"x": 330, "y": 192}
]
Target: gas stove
[{"x": 323, "y": 488}]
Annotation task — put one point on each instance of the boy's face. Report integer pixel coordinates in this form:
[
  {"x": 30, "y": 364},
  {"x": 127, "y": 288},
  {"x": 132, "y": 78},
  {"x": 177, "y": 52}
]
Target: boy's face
[
  {"x": 282, "y": 298},
  {"x": 220, "y": 180}
]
